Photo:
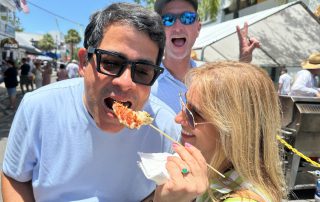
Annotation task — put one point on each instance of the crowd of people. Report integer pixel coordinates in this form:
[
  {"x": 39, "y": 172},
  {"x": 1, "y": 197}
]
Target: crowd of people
[
  {"x": 30, "y": 73},
  {"x": 67, "y": 144}
]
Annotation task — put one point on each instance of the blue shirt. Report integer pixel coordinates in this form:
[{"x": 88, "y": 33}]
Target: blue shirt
[
  {"x": 55, "y": 143},
  {"x": 167, "y": 87}
]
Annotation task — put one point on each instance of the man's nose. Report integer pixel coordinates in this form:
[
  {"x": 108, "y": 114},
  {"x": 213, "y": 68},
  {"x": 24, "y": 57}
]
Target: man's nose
[
  {"x": 178, "y": 24},
  {"x": 124, "y": 80}
]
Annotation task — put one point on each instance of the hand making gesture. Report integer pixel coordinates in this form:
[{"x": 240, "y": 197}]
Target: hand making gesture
[{"x": 246, "y": 44}]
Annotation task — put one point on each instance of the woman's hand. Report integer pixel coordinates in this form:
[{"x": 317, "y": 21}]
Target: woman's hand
[{"x": 184, "y": 186}]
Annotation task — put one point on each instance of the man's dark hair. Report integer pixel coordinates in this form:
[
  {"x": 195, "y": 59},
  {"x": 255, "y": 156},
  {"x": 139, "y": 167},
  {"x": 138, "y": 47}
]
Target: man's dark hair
[
  {"x": 134, "y": 15},
  {"x": 62, "y": 66},
  {"x": 160, "y": 4},
  {"x": 10, "y": 61}
]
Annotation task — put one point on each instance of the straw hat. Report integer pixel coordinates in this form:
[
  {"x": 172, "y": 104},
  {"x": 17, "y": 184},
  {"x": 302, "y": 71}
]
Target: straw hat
[{"x": 313, "y": 62}]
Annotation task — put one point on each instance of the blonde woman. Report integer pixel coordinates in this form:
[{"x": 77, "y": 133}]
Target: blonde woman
[{"x": 231, "y": 114}]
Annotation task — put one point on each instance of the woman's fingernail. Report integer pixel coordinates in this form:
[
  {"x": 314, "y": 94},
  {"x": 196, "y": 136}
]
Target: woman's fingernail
[
  {"x": 174, "y": 145},
  {"x": 187, "y": 144}
]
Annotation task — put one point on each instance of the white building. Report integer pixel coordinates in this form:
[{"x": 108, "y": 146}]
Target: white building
[{"x": 8, "y": 48}]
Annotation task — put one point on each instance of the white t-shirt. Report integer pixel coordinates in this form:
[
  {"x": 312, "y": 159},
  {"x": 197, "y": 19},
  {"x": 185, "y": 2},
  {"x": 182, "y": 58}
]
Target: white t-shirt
[
  {"x": 304, "y": 85},
  {"x": 55, "y": 143},
  {"x": 285, "y": 80},
  {"x": 73, "y": 70}
]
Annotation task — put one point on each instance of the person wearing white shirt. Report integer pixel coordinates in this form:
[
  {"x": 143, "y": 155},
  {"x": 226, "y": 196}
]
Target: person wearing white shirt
[
  {"x": 73, "y": 69},
  {"x": 305, "y": 83},
  {"x": 284, "y": 82}
]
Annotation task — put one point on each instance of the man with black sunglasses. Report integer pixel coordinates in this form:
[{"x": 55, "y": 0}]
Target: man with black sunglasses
[
  {"x": 182, "y": 26},
  {"x": 66, "y": 144}
]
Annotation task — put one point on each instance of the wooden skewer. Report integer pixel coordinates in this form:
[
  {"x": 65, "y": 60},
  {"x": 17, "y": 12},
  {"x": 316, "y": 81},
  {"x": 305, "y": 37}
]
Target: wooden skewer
[{"x": 173, "y": 140}]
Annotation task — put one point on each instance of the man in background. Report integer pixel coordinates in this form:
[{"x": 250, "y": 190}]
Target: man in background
[
  {"x": 73, "y": 69},
  {"x": 25, "y": 80},
  {"x": 305, "y": 83},
  {"x": 284, "y": 82},
  {"x": 182, "y": 26}
]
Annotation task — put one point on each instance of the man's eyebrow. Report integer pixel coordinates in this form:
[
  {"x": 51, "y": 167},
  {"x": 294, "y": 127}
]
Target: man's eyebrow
[
  {"x": 126, "y": 58},
  {"x": 144, "y": 61}
]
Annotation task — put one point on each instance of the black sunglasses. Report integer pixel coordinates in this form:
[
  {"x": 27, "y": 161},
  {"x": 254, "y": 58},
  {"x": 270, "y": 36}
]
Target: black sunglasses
[
  {"x": 113, "y": 64},
  {"x": 188, "y": 113},
  {"x": 186, "y": 18}
]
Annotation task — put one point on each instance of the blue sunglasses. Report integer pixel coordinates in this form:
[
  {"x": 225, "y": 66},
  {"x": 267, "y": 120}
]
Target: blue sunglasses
[{"x": 186, "y": 18}]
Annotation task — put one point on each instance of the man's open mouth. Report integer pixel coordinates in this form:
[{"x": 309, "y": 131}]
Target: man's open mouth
[
  {"x": 179, "y": 42},
  {"x": 109, "y": 102}
]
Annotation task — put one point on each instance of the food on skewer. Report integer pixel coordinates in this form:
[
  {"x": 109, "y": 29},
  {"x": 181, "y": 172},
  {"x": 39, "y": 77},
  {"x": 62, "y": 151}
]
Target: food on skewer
[
  {"x": 130, "y": 118},
  {"x": 133, "y": 119}
]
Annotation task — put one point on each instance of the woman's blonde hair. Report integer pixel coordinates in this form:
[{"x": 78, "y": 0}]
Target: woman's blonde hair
[{"x": 240, "y": 99}]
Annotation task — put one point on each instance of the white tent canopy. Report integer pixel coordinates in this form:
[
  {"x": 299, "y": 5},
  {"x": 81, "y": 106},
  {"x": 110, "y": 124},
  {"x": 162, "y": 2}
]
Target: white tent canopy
[
  {"x": 288, "y": 34},
  {"x": 43, "y": 57}
]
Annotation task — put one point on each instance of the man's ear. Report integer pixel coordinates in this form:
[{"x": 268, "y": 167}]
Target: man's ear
[
  {"x": 199, "y": 28},
  {"x": 82, "y": 55}
]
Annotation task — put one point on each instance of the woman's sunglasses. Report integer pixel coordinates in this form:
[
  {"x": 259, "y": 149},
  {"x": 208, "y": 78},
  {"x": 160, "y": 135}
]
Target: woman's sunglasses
[
  {"x": 188, "y": 113},
  {"x": 113, "y": 64},
  {"x": 186, "y": 18}
]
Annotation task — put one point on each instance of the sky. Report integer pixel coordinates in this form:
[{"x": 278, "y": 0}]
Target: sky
[{"x": 79, "y": 11}]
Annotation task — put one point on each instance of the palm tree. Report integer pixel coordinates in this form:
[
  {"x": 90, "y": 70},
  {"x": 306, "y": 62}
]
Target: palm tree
[
  {"x": 46, "y": 43},
  {"x": 72, "y": 38}
]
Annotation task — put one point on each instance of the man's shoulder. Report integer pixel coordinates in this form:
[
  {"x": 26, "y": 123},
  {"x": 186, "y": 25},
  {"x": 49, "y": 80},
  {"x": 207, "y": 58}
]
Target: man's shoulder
[
  {"x": 288, "y": 76},
  {"x": 303, "y": 73},
  {"x": 55, "y": 91},
  {"x": 25, "y": 65},
  {"x": 197, "y": 63}
]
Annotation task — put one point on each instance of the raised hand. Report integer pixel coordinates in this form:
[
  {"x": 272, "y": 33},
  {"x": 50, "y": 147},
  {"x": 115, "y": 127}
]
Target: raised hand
[{"x": 246, "y": 44}]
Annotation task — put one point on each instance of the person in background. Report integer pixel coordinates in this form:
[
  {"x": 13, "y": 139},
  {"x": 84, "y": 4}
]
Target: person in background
[
  {"x": 182, "y": 26},
  {"x": 46, "y": 74},
  {"x": 37, "y": 71},
  {"x": 66, "y": 143},
  {"x": 62, "y": 73},
  {"x": 284, "y": 82},
  {"x": 24, "y": 76},
  {"x": 11, "y": 82},
  {"x": 30, "y": 74},
  {"x": 29, "y": 61},
  {"x": 73, "y": 69},
  {"x": 2, "y": 69},
  {"x": 242, "y": 146},
  {"x": 305, "y": 82}
]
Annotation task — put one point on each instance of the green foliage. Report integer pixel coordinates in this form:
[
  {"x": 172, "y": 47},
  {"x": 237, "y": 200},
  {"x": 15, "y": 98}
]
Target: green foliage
[
  {"x": 17, "y": 26},
  {"x": 148, "y": 3},
  {"x": 75, "y": 54},
  {"x": 72, "y": 37},
  {"x": 207, "y": 9},
  {"x": 46, "y": 43},
  {"x": 14, "y": 21}
]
